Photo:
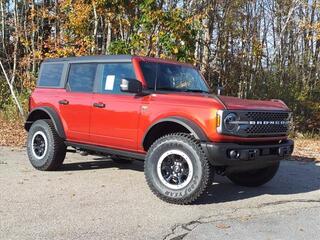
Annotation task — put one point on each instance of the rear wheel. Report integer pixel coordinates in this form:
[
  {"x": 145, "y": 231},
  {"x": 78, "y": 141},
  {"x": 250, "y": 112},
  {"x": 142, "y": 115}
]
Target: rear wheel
[
  {"x": 46, "y": 150},
  {"x": 254, "y": 178},
  {"x": 176, "y": 169}
]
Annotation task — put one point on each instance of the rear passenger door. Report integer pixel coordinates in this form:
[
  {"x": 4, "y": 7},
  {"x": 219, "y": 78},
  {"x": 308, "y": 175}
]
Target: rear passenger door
[
  {"x": 115, "y": 114},
  {"x": 76, "y": 103}
]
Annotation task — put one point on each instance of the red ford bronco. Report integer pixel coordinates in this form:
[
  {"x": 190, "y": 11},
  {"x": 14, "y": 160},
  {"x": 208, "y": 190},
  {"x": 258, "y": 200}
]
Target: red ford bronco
[{"x": 138, "y": 108}]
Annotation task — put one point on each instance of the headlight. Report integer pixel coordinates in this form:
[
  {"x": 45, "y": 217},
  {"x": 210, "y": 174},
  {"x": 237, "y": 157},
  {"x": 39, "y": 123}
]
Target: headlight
[
  {"x": 231, "y": 122},
  {"x": 228, "y": 122}
]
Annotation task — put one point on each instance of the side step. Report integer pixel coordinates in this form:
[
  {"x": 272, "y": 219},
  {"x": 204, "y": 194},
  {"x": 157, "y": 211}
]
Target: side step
[{"x": 105, "y": 150}]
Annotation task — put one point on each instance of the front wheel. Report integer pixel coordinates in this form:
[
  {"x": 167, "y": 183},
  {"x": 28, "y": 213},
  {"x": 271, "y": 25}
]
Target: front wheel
[
  {"x": 176, "y": 169},
  {"x": 254, "y": 178}
]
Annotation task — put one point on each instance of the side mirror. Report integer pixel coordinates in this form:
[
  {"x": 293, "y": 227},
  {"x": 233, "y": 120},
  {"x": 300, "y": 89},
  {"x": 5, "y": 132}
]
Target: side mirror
[{"x": 131, "y": 85}]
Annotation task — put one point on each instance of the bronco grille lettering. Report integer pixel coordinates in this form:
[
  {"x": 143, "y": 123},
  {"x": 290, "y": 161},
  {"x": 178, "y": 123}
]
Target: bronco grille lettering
[{"x": 261, "y": 122}]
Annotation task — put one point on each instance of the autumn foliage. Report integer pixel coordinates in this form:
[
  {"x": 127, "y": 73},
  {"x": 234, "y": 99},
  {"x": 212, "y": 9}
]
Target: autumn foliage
[{"x": 255, "y": 49}]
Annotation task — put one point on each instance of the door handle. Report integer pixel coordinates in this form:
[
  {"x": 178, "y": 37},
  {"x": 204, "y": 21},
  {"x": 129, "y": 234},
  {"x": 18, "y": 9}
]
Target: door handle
[
  {"x": 99, "y": 105},
  {"x": 64, "y": 102}
]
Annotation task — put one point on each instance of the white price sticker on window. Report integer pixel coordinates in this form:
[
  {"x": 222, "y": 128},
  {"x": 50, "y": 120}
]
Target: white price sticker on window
[{"x": 109, "y": 82}]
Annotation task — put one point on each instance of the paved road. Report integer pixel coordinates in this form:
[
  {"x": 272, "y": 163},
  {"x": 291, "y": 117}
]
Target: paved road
[{"x": 94, "y": 198}]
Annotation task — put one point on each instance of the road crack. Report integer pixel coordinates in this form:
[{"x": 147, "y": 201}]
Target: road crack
[
  {"x": 189, "y": 226},
  {"x": 180, "y": 231},
  {"x": 289, "y": 201}
]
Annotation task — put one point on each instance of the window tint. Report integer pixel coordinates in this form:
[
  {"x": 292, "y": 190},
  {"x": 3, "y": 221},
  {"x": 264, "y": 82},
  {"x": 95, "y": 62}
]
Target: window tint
[
  {"x": 172, "y": 77},
  {"x": 81, "y": 77},
  {"x": 111, "y": 76},
  {"x": 150, "y": 73},
  {"x": 50, "y": 74}
]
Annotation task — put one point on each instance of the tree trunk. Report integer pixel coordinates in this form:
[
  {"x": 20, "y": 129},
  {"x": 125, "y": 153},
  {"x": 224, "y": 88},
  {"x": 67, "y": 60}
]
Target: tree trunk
[
  {"x": 10, "y": 85},
  {"x": 95, "y": 29},
  {"x": 109, "y": 33}
]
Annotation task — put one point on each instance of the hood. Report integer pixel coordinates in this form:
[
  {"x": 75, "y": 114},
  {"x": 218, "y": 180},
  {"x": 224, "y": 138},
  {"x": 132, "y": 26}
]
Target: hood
[{"x": 234, "y": 103}]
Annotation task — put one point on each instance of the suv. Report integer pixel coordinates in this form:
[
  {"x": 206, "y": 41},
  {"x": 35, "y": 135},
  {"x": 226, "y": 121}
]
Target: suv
[{"x": 140, "y": 108}]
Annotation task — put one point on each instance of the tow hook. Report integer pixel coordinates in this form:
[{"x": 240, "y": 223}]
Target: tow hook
[
  {"x": 252, "y": 153},
  {"x": 284, "y": 151},
  {"x": 246, "y": 155}
]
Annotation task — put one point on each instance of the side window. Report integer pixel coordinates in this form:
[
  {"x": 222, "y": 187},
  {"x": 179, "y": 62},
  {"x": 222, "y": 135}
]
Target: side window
[
  {"x": 50, "y": 74},
  {"x": 81, "y": 77},
  {"x": 111, "y": 75},
  {"x": 150, "y": 73}
]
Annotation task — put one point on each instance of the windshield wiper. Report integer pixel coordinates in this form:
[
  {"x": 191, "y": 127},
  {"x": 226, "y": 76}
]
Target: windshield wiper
[
  {"x": 196, "y": 90},
  {"x": 170, "y": 89},
  {"x": 182, "y": 90}
]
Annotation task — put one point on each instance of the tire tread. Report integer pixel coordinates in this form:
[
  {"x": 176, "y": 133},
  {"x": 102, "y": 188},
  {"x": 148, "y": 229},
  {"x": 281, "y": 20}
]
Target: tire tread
[
  {"x": 58, "y": 147},
  {"x": 257, "y": 180},
  {"x": 207, "y": 171}
]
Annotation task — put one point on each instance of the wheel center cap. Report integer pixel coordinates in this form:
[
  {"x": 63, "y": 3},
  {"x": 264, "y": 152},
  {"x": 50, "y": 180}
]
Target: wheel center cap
[{"x": 176, "y": 169}]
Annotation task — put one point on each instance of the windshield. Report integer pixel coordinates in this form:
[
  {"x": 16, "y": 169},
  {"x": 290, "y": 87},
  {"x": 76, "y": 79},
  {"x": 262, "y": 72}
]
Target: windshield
[{"x": 172, "y": 77}]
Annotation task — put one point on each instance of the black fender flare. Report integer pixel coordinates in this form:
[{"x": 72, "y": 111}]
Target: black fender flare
[
  {"x": 192, "y": 127},
  {"x": 53, "y": 115}
]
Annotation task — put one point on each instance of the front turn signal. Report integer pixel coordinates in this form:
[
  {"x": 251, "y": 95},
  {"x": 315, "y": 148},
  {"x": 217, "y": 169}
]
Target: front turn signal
[{"x": 218, "y": 120}]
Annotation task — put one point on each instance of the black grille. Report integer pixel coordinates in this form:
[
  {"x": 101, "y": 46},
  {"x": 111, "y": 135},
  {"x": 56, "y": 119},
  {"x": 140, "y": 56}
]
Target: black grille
[
  {"x": 267, "y": 123},
  {"x": 267, "y": 116},
  {"x": 267, "y": 129},
  {"x": 255, "y": 123}
]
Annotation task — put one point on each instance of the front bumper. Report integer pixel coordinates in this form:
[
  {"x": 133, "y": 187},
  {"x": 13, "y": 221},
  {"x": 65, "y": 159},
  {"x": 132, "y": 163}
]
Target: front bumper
[{"x": 246, "y": 155}]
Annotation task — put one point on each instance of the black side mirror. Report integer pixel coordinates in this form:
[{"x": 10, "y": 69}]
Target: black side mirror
[{"x": 131, "y": 85}]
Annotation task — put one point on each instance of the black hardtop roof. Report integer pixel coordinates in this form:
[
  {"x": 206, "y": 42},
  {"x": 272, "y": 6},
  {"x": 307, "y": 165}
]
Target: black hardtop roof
[
  {"x": 110, "y": 59},
  {"x": 107, "y": 58}
]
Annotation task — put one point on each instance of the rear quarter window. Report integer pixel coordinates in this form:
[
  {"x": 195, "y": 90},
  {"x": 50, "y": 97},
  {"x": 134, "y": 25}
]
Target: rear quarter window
[
  {"x": 81, "y": 77},
  {"x": 50, "y": 75}
]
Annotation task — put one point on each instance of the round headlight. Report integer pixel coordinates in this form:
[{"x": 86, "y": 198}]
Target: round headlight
[{"x": 229, "y": 122}]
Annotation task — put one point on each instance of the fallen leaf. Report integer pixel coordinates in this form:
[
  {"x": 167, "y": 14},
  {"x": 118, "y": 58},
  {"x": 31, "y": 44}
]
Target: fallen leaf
[{"x": 222, "y": 226}]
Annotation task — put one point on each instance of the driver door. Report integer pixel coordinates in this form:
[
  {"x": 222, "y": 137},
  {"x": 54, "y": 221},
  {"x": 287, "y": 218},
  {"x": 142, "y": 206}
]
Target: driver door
[{"x": 115, "y": 114}]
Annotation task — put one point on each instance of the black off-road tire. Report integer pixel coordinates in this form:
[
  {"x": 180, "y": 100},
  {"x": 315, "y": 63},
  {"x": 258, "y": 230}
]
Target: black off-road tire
[
  {"x": 254, "y": 178},
  {"x": 201, "y": 176},
  {"x": 56, "y": 149}
]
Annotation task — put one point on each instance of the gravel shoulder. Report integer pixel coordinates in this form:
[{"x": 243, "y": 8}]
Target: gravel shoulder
[{"x": 95, "y": 198}]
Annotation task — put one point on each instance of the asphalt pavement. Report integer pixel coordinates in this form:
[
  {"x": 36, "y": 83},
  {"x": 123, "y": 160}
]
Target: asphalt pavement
[{"x": 94, "y": 198}]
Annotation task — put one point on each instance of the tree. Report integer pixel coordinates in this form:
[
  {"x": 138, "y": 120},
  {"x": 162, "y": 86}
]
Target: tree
[{"x": 255, "y": 49}]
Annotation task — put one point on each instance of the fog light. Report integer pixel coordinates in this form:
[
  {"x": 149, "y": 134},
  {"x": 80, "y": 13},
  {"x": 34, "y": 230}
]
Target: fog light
[{"x": 234, "y": 154}]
